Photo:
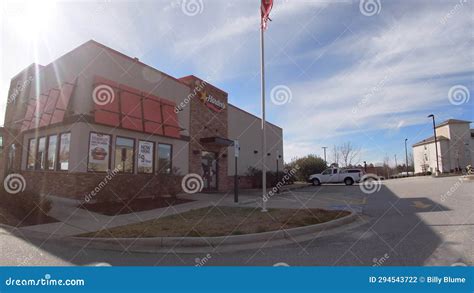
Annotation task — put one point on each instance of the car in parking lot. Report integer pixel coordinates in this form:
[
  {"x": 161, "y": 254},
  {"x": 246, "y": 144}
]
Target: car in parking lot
[{"x": 347, "y": 176}]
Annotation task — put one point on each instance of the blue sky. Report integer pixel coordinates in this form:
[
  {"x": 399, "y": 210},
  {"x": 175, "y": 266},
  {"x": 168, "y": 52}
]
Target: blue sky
[{"x": 348, "y": 73}]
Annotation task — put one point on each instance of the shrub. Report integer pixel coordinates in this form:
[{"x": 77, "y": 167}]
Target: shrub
[
  {"x": 272, "y": 177},
  {"x": 24, "y": 203},
  {"x": 305, "y": 166}
]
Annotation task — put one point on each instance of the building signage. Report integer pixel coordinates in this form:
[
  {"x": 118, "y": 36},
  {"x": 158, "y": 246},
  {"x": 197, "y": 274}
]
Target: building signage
[
  {"x": 145, "y": 155},
  {"x": 236, "y": 148},
  {"x": 211, "y": 102},
  {"x": 99, "y": 149}
]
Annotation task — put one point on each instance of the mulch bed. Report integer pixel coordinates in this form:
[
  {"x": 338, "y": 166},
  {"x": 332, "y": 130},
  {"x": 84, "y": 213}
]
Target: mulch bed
[
  {"x": 35, "y": 218},
  {"x": 221, "y": 221},
  {"x": 132, "y": 206}
]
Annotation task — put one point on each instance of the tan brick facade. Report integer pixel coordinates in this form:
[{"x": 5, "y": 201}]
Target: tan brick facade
[{"x": 207, "y": 123}]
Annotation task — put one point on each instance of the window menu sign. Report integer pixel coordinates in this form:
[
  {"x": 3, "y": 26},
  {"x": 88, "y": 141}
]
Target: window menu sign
[
  {"x": 145, "y": 156},
  {"x": 99, "y": 152}
]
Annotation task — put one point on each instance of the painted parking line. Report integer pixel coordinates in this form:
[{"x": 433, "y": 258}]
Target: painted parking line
[
  {"x": 355, "y": 209},
  {"x": 347, "y": 200}
]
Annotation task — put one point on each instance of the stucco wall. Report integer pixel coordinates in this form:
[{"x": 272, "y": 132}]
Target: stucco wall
[
  {"x": 246, "y": 128},
  {"x": 430, "y": 151},
  {"x": 80, "y": 145}
]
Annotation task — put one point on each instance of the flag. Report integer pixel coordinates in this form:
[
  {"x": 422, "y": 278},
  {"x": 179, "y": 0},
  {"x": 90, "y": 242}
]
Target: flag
[{"x": 265, "y": 12}]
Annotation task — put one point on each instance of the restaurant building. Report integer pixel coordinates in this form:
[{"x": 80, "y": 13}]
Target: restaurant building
[{"x": 94, "y": 111}]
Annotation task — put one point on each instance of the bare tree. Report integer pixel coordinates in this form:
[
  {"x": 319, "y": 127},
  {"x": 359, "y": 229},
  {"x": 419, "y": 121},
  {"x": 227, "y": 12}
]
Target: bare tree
[
  {"x": 386, "y": 166},
  {"x": 349, "y": 154}
]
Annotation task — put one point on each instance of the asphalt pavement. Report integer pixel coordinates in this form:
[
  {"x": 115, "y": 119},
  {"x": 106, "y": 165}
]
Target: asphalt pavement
[{"x": 411, "y": 221}]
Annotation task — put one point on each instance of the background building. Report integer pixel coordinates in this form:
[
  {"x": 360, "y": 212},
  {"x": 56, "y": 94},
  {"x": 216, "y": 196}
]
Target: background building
[
  {"x": 455, "y": 148},
  {"x": 94, "y": 110}
]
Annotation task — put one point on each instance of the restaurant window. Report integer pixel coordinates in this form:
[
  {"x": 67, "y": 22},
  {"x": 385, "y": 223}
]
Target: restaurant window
[
  {"x": 41, "y": 155},
  {"x": 11, "y": 156},
  {"x": 146, "y": 156},
  {"x": 64, "y": 145},
  {"x": 124, "y": 154},
  {"x": 30, "y": 162},
  {"x": 99, "y": 152},
  {"x": 52, "y": 149},
  {"x": 164, "y": 158}
]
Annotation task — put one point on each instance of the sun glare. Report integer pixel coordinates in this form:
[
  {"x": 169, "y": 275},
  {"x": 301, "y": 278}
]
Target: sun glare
[{"x": 30, "y": 18}]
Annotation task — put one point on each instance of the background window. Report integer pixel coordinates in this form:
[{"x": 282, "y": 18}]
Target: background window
[
  {"x": 164, "y": 158},
  {"x": 124, "y": 154},
  {"x": 146, "y": 156},
  {"x": 64, "y": 143},
  {"x": 11, "y": 156},
  {"x": 99, "y": 152},
  {"x": 41, "y": 156},
  {"x": 30, "y": 163},
  {"x": 52, "y": 148}
]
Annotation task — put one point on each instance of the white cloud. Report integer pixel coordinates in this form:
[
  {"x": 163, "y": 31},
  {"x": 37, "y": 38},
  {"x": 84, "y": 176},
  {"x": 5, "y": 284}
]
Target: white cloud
[{"x": 401, "y": 72}]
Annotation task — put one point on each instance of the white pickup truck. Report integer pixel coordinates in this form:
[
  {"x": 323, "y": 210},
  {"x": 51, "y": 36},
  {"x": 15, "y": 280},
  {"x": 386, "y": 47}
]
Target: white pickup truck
[{"x": 336, "y": 175}]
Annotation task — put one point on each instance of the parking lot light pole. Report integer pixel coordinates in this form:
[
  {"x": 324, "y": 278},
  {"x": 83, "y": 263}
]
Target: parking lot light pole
[
  {"x": 406, "y": 156},
  {"x": 324, "y": 148},
  {"x": 436, "y": 143}
]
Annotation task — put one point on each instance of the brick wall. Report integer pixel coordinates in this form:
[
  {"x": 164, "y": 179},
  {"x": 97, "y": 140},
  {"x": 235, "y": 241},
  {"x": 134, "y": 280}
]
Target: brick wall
[
  {"x": 106, "y": 186},
  {"x": 207, "y": 123}
]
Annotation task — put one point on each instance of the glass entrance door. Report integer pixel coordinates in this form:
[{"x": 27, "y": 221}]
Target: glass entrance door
[{"x": 209, "y": 170}]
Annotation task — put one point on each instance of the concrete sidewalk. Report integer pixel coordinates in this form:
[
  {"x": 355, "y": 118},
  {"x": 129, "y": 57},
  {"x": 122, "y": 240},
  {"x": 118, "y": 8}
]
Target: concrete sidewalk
[{"x": 75, "y": 221}]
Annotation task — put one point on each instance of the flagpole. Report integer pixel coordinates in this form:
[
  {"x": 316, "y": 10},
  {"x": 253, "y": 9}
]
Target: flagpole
[{"x": 264, "y": 139}]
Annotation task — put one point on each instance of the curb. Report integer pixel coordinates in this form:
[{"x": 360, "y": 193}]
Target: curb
[
  {"x": 159, "y": 244},
  {"x": 163, "y": 244}
]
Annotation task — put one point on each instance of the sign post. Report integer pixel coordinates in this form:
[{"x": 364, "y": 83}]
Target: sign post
[{"x": 236, "y": 178}]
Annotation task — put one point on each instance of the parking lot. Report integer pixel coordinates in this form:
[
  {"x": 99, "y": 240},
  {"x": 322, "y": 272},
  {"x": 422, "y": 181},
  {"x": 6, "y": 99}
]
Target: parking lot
[{"x": 411, "y": 221}]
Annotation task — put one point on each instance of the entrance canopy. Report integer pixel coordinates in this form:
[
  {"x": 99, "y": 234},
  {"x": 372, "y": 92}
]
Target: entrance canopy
[{"x": 217, "y": 141}]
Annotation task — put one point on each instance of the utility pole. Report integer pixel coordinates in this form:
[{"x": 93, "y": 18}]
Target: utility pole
[
  {"x": 396, "y": 165},
  {"x": 436, "y": 143},
  {"x": 324, "y": 148},
  {"x": 406, "y": 157}
]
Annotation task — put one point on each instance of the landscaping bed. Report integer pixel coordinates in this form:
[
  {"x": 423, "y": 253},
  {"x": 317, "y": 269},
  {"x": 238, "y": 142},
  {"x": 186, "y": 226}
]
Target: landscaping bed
[
  {"x": 24, "y": 209},
  {"x": 132, "y": 206},
  {"x": 221, "y": 221}
]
